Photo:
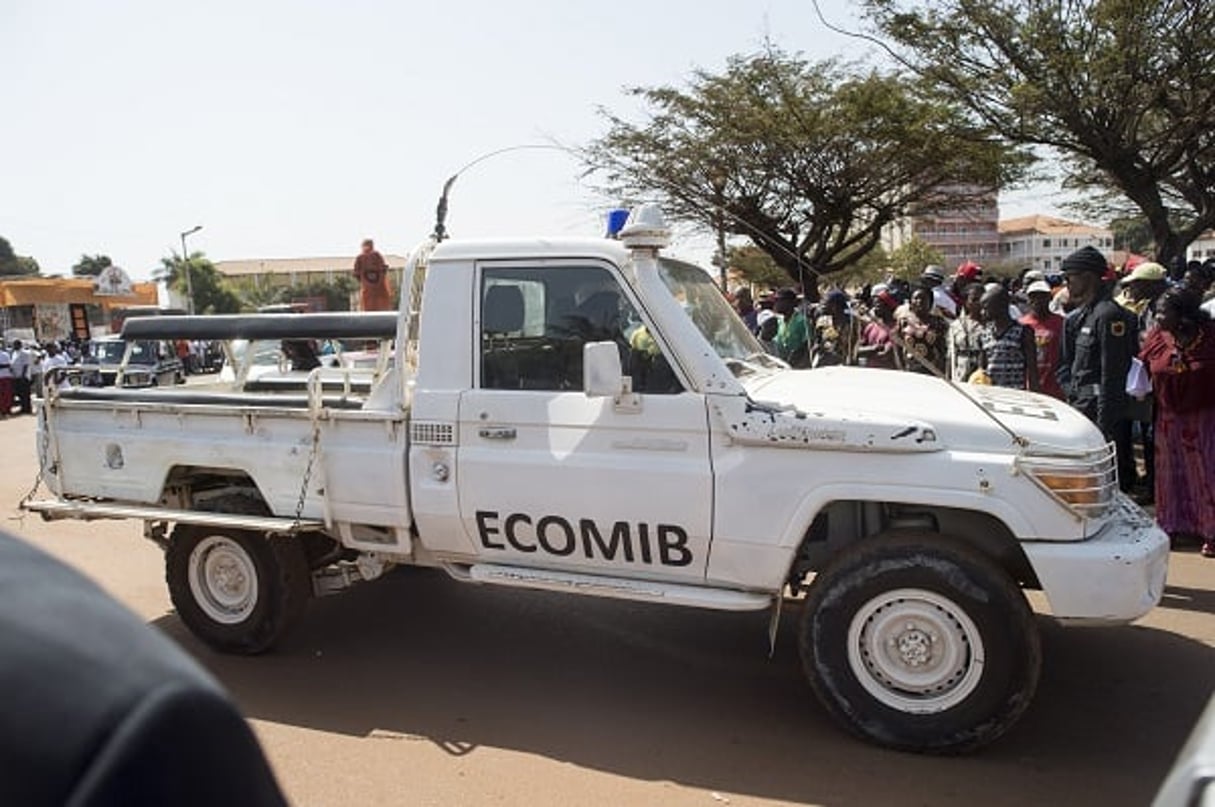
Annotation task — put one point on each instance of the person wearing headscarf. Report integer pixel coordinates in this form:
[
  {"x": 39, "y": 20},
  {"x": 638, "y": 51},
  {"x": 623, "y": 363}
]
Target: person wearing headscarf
[
  {"x": 371, "y": 272},
  {"x": 836, "y": 333},
  {"x": 922, "y": 334},
  {"x": 965, "y": 339},
  {"x": 877, "y": 347},
  {"x": 1180, "y": 355}
]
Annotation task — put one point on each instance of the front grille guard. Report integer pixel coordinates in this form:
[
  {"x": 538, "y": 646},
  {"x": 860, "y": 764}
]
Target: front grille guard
[{"x": 1085, "y": 482}]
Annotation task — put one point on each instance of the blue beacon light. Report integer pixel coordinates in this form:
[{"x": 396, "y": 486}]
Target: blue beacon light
[{"x": 616, "y": 219}]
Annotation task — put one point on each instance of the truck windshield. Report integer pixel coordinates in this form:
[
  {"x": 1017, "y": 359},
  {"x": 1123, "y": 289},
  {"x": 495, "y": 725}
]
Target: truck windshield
[
  {"x": 714, "y": 317},
  {"x": 108, "y": 352},
  {"x": 144, "y": 353}
]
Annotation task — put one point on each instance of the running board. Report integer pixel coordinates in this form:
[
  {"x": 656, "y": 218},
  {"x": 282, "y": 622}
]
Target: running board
[
  {"x": 54, "y": 509},
  {"x": 616, "y": 587}
]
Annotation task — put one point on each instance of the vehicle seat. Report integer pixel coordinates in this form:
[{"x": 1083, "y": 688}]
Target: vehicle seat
[{"x": 501, "y": 317}]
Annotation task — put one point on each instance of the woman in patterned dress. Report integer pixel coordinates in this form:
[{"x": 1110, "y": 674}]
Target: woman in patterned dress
[
  {"x": 923, "y": 334},
  {"x": 1180, "y": 354}
]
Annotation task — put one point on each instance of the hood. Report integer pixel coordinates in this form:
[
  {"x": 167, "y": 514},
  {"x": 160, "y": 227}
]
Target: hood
[{"x": 962, "y": 416}]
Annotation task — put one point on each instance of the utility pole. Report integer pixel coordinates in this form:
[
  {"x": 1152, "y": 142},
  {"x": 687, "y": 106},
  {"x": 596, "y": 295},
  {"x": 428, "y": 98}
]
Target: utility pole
[{"x": 185, "y": 262}]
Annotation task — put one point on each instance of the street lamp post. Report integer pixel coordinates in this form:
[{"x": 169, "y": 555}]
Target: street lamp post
[{"x": 185, "y": 262}]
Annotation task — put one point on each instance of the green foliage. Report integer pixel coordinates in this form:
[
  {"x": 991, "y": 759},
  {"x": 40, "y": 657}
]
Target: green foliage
[
  {"x": 335, "y": 294},
  {"x": 1120, "y": 90},
  {"x": 756, "y": 267},
  {"x": 13, "y": 264},
  {"x": 91, "y": 265},
  {"x": 871, "y": 267},
  {"x": 808, "y": 160},
  {"x": 212, "y": 295},
  {"x": 909, "y": 260},
  {"x": 1133, "y": 234}
]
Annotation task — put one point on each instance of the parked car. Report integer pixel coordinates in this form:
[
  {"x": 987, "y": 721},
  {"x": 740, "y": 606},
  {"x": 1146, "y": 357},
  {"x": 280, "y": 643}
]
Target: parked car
[{"x": 112, "y": 361}]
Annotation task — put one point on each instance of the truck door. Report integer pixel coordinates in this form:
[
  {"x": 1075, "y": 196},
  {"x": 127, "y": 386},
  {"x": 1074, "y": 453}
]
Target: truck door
[{"x": 552, "y": 478}]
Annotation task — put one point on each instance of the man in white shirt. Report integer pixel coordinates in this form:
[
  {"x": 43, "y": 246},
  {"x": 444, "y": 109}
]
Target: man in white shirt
[
  {"x": 21, "y": 369},
  {"x": 6, "y": 381},
  {"x": 55, "y": 359}
]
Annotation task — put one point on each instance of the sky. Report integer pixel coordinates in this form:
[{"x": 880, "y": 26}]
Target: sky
[{"x": 298, "y": 128}]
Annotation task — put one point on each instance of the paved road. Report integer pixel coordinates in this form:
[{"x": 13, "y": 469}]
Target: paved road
[{"x": 418, "y": 690}]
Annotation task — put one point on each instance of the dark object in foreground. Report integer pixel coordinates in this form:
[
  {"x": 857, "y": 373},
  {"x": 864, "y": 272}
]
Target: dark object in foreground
[{"x": 100, "y": 709}]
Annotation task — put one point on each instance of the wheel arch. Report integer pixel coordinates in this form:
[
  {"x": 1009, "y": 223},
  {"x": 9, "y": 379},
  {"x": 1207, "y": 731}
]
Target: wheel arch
[
  {"x": 189, "y": 487},
  {"x": 836, "y": 525}
]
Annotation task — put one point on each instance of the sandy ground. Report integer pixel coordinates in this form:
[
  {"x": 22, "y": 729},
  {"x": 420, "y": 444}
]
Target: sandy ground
[{"x": 420, "y": 690}]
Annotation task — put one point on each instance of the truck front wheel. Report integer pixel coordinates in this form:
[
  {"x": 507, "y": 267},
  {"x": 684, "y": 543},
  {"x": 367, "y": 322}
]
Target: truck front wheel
[
  {"x": 919, "y": 644},
  {"x": 238, "y": 591}
]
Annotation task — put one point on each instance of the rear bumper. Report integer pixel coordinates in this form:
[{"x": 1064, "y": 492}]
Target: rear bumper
[{"x": 1114, "y": 577}]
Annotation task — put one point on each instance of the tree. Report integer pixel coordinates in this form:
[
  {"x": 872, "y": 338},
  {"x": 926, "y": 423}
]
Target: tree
[
  {"x": 909, "y": 259},
  {"x": 1121, "y": 90},
  {"x": 336, "y": 294},
  {"x": 211, "y": 292},
  {"x": 1133, "y": 234},
  {"x": 809, "y": 161},
  {"x": 13, "y": 264},
  {"x": 91, "y": 265},
  {"x": 755, "y": 266}
]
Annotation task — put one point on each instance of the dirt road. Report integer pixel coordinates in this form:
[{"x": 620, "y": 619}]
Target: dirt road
[{"x": 419, "y": 690}]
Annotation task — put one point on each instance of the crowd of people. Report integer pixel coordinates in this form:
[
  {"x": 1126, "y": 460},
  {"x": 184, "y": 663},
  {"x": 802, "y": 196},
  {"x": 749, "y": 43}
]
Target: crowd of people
[
  {"x": 22, "y": 367},
  {"x": 24, "y": 364},
  {"x": 1082, "y": 335}
]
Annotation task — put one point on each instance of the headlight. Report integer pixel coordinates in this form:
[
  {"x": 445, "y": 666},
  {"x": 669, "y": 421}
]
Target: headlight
[{"x": 1084, "y": 483}]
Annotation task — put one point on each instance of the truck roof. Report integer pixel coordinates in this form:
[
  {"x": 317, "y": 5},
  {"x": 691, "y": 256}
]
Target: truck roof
[{"x": 521, "y": 248}]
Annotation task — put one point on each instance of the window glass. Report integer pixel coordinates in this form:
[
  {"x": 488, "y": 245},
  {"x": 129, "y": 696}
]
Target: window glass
[
  {"x": 535, "y": 321},
  {"x": 143, "y": 353}
]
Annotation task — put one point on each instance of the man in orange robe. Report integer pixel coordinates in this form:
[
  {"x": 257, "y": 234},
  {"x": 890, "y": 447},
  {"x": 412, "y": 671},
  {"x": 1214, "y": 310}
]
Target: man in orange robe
[{"x": 372, "y": 273}]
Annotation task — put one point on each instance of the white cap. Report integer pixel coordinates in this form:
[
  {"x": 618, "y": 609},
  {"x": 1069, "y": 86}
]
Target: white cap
[{"x": 1037, "y": 286}]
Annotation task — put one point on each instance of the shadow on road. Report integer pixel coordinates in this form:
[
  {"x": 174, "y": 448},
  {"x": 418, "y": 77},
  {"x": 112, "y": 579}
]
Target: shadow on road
[
  {"x": 656, "y": 693},
  {"x": 1188, "y": 599}
]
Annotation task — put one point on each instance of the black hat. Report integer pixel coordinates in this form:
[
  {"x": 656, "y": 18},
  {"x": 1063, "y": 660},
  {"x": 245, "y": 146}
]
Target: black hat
[{"x": 1086, "y": 259}]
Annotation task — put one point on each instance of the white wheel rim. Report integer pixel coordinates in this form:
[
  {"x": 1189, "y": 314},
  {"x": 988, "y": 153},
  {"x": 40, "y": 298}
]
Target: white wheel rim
[
  {"x": 915, "y": 651},
  {"x": 223, "y": 580}
]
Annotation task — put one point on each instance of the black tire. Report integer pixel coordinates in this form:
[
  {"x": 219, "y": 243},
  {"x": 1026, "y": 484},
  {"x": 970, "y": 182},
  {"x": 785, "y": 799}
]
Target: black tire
[
  {"x": 270, "y": 586},
  {"x": 916, "y": 643}
]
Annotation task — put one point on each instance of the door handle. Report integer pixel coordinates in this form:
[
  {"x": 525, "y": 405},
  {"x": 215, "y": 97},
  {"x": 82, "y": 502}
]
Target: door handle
[{"x": 498, "y": 433}]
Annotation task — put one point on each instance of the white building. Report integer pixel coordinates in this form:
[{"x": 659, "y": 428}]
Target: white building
[
  {"x": 1042, "y": 242},
  {"x": 963, "y": 231},
  {"x": 263, "y": 272},
  {"x": 1202, "y": 248}
]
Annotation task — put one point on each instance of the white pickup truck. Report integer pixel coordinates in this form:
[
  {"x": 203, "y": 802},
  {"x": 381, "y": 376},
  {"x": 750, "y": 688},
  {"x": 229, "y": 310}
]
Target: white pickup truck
[{"x": 589, "y": 416}]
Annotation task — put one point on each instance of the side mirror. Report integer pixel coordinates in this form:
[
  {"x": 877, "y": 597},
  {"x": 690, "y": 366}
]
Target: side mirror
[{"x": 602, "y": 376}]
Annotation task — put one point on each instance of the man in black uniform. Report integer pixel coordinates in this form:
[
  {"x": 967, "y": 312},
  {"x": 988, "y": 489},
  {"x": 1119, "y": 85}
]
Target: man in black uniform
[{"x": 1098, "y": 342}]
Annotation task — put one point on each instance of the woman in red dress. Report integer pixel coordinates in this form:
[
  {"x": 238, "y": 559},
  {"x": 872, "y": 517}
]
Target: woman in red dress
[{"x": 1180, "y": 354}]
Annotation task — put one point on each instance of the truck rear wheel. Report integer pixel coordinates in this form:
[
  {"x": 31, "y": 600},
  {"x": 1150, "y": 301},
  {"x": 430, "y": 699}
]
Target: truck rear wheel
[
  {"x": 238, "y": 591},
  {"x": 918, "y": 644}
]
